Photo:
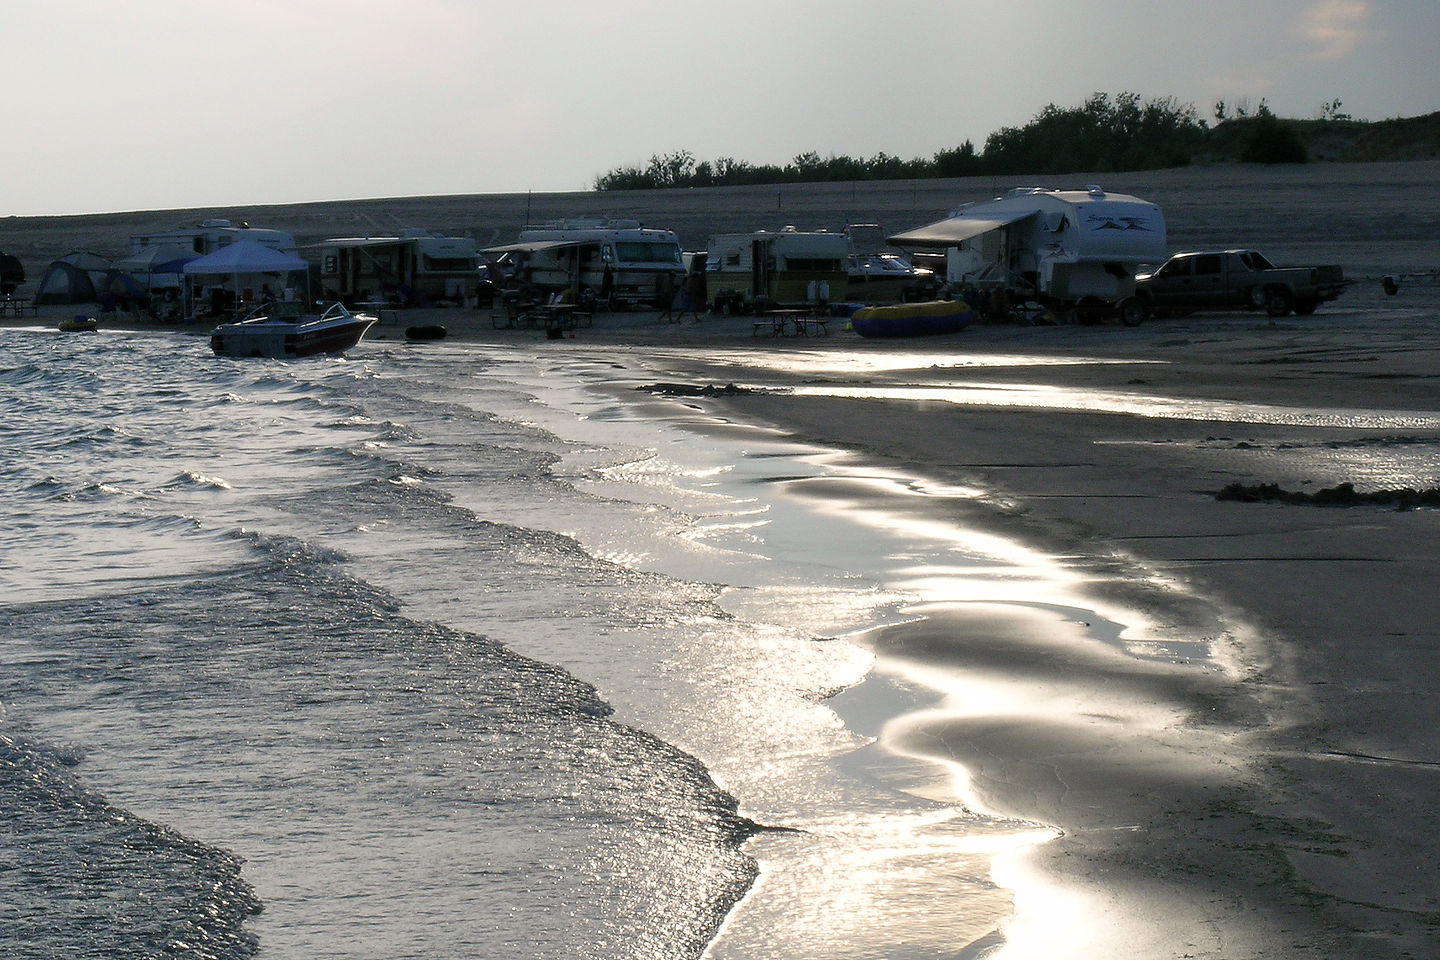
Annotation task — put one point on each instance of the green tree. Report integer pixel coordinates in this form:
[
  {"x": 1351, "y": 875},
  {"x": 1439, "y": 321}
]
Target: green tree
[{"x": 1272, "y": 140}]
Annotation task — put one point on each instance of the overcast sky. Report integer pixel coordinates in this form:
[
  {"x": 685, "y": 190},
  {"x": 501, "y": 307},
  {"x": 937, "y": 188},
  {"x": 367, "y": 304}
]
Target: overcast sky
[{"x": 162, "y": 104}]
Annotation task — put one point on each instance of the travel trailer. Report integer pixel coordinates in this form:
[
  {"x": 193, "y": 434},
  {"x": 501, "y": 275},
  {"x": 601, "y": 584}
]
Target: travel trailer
[
  {"x": 1073, "y": 251},
  {"x": 414, "y": 267},
  {"x": 789, "y": 267},
  {"x": 615, "y": 262},
  {"x": 211, "y": 235}
]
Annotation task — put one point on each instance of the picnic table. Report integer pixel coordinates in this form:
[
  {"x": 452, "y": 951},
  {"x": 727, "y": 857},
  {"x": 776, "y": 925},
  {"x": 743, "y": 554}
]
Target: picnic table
[
  {"x": 799, "y": 319},
  {"x": 15, "y": 306},
  {"x": 549, "y": 316}
]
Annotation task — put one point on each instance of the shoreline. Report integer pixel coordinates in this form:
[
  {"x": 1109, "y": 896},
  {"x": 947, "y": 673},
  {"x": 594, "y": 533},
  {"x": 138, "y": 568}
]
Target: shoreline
[
  {"x": 1327, "y": 613},
  {"x": 1316, "y": 849},
  {"x": 1329, "y": 610}
]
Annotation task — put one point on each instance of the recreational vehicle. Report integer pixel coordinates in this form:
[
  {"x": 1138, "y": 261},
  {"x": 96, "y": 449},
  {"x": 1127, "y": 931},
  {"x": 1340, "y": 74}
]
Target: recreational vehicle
[
  {"x": 617, "y": 262},
  {"x": 1074, "y": 251},
  {"x": 414, "y": 267},
  {"x": 212, "y": 235},
  {"x": 156, "y": 260},
  {"x": 785, "y": 268}
]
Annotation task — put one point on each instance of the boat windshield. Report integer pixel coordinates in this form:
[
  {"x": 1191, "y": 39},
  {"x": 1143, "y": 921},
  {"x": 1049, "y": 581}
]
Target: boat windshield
[{"x": 278, "y": 310}]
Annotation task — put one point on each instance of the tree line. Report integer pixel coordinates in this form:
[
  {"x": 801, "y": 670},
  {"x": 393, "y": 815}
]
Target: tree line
[{"x": 1102, "y": 135}]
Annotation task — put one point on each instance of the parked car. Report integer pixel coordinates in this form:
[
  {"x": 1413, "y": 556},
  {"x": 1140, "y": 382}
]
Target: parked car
[{"x": 1236, "y": 280}]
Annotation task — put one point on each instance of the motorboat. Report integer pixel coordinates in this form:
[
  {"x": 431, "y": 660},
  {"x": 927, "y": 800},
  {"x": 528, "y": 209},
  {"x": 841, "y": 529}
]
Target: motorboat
[
  {"x": 882, "y": 277},
  {"x": 283, "y": 329}
]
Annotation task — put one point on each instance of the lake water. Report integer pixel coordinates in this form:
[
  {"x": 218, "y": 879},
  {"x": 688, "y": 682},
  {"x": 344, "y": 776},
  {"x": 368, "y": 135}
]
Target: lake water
[{"x": 444, "y": 651}]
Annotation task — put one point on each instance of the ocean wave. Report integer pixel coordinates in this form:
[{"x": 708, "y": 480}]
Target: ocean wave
[
  {"x": 191, "y": 478},
  {"x": 102, "y": 881}
]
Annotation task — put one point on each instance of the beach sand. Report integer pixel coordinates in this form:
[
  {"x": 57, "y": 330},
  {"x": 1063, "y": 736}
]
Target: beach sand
[
  {"x": 1270, "y": 799},
  {"x": 1276, "y": 807}
]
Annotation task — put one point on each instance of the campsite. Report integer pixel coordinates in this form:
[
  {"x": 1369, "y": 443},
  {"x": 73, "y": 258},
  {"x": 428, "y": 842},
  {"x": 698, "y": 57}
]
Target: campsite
[{"x": 1285, "y": 210}]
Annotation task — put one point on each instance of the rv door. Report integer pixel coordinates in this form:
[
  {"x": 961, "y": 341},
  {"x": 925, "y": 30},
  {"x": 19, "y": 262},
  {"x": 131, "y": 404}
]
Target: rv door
[{"x": 759, "y": 268}]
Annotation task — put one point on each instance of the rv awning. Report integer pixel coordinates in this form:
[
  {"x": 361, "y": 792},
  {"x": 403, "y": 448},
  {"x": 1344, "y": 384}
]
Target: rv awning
[
  {"x": 952, "y": 231},
  {"x": 352, "y": 243},
  {"x": 537, "y": 245}
]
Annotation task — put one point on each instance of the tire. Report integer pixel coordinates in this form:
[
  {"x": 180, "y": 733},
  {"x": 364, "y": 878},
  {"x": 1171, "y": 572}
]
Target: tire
[
  {"x": 1278, "y": 301},
  {"x": 1133, "y": 311},
  {"x": 1255, "y": 296}
]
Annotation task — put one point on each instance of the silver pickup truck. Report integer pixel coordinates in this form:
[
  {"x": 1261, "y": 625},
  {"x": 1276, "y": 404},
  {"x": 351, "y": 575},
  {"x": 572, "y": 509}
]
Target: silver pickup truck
[{"x": 1236, "y": 280}]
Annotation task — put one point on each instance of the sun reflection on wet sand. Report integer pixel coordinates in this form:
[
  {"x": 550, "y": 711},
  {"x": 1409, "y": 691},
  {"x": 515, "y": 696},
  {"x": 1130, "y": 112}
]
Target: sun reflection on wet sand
[
  {"x": 1008, "y": 694},
  {"x": 1049, "y": 397},
  {"x": 1039, "y": 701}
]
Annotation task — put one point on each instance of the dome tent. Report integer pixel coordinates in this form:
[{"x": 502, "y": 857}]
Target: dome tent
[{"x": 71, "y": 279}]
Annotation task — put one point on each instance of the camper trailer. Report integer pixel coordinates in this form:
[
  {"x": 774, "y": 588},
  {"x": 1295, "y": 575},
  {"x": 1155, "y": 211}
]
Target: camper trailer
[
  {"x": 617, "y": 262},
  {"x": 789, "y": 267},
  {"x": 1073, "y": 251},
  {"x": 414, "y": 267},
  {"x": 211, "y": 235}
]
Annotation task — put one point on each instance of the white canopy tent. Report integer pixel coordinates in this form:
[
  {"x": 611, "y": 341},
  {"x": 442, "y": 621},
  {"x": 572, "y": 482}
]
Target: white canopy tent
[{"x": 245, "y": 258}]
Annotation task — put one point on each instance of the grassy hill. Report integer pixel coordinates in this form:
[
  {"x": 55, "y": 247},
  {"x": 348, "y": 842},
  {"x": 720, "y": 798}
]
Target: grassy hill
[{"x": 1335, "y": 141}]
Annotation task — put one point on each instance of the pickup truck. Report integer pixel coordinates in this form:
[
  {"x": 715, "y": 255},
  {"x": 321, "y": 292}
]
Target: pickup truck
[{"x": 1236, "y": 280}]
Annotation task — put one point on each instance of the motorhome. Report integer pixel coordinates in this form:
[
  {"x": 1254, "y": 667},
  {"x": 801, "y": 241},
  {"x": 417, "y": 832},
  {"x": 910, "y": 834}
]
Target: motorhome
[
  {"x": 784, "y": 268},
  {"x": 414, "y": 267},
  {"x": 1071, "y": 251},
  {"x": 616, "y": 262}
]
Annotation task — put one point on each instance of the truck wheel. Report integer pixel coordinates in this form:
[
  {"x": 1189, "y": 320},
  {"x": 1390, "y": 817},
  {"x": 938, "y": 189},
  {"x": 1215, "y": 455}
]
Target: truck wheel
[
  {"x": 1278, "y": 301},
  {"x": 1255, "y": 296},
  {"x": 1133, "y": 311}
]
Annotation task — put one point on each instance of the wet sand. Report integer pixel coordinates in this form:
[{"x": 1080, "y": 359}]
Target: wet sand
[
  {"x": 1273, "y": 802},
  {"x": 1226, "y": 708},
  {"x": 1273, "y": 799}
]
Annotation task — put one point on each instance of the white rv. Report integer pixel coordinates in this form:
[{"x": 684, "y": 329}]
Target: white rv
[
  {"x": 156, "y": 260},
  {"x": 788, "y": 267},
  {"x": 414, "y": 267},
  {"x": 211, "y": 236},
  {"x": 618, "y": 262},
  {"x": 1069, "y": 250}
]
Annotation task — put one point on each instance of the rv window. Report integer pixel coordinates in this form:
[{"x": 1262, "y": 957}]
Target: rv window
[
  {"x": 641, "y": 252},
  {"x": 1208, "y": 264},
  {"x": 816, "y": 264}
]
